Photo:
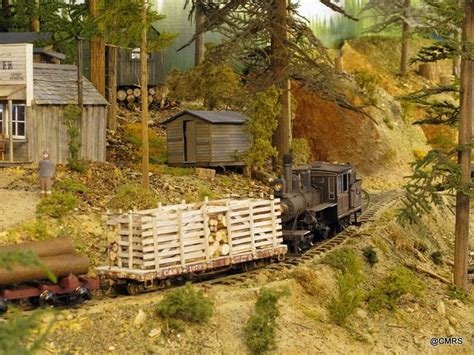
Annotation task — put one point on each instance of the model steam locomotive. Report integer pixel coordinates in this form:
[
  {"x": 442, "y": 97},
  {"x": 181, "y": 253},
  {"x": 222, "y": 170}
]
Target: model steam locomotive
[{"x": 317, "y": 201}]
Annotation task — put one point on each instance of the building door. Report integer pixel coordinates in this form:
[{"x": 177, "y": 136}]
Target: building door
[{"x": 189, "y": 128}]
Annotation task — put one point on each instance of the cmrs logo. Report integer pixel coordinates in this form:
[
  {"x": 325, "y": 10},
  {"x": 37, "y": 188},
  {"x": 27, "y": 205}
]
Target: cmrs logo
[{"x": 7, "y": 65}]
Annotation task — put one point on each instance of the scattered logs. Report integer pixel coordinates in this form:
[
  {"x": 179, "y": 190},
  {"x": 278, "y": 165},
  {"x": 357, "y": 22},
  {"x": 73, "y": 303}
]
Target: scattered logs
[{"x": 131, "y": 96}]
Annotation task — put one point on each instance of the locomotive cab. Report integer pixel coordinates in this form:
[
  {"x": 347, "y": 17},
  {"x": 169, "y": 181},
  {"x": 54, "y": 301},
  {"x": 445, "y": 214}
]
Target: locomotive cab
[{"x": 339, "y": 186}]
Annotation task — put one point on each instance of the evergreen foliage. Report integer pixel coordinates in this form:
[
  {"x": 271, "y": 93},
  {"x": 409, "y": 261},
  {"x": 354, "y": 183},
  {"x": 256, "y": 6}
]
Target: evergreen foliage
[
  {"x": 262, "y": 112},
  {"x": 261, "y": 326},
  {"x": 370, "y": 255},
  {"x": 300, "y": 151}
]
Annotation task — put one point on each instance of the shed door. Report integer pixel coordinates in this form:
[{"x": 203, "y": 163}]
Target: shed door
[{"x": 189, "y": 128}]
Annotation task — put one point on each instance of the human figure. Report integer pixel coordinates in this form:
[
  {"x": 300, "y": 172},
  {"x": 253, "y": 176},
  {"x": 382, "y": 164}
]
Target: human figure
[{"x": 47, "y": 168}]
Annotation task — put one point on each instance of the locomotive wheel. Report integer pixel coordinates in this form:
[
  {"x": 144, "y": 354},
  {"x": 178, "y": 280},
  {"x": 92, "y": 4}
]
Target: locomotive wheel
[
  {"x": 83, "y": 294},
  {"x": 133, "y": 288},
  {"x": 3, "y": 305}
]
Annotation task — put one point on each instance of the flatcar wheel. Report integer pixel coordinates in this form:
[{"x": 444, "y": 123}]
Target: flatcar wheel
[
  {"x": 47, "y": 299},
  {"x": 133, "y": 289},
  {"x": 3, "y": 305}
]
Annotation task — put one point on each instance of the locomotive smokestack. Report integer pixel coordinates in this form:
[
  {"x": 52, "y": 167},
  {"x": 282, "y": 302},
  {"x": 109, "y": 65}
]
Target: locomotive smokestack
[{"x": 288, "y": 172}]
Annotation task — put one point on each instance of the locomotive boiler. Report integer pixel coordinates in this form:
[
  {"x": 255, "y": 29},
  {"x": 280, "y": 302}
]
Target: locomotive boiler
[{"x": 317, "y": 201}]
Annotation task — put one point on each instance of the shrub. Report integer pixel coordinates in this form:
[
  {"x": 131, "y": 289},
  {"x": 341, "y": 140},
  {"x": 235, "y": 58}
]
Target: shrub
[
  {"x": 344, "y": 259},
  {"x": 157, "y": 144},
  {"x": 261, "y": 326},
  {"x": 368, "y": 83},
  {"x": 72, "y": 114},
  {"x": 370, "y": 255},
  {"x": 348, "y": 298},
  {"x": 458, "y": 294},
  {"x": 301, "y": 151},
  {"x": 185, "y": 304},
  {"x": 132, "y": 196},
  {"x": 437, "y": 257},
  {"x": 70, "y": 185},
  {"x": 57, "y": 205},
  {"x": 205, "y": 192},
  {"x": 399, "y": 282}
]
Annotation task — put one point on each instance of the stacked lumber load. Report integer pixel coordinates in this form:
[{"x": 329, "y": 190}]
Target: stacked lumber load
[{"x": 179, "y": 235}]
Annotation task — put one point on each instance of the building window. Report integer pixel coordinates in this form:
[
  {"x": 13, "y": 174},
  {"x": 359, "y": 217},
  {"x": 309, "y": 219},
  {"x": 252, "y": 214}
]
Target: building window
[
  {"x": 18, "y": 121},
  {"x": 346, "y": 183},
  {"x": 136, "y": 55},
  {"x": 339, "y": 184}
]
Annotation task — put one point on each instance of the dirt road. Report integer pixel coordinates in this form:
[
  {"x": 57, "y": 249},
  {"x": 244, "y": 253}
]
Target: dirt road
[{"x": 16, "y": 206}]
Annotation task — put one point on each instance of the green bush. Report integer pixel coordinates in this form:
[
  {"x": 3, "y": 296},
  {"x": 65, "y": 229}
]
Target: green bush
[
  {"x": 370, "y": 255},
  {"x": 70, "y": 185},
  {"x": 344, "y": 259},
  {"x": 348, "y": 298},
  {"x": 437, "y": 257},
  {"x": 456, "y": 293},
  {"x": 261, "y": 326},
  {"x": 301, "y": 151},
  {"x": 72, "y": 114},
  {"x": 368, "y": 82},
  {"x": 206, "y": 192},
  {"x": 57, "y": 205},
  {"x": 132, "y": 196},
  {"x": 399, "y": 282},
  {"x": 185, "y": 304},
  {"x": 38, "y": 230}
]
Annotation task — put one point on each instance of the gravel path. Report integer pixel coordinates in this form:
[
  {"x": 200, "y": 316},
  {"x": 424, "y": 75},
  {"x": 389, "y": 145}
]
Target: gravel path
[{"x": 15, "y": 206}]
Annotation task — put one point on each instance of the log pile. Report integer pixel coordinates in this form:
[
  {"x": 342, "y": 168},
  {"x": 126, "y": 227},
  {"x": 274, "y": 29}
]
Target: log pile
[
  {"x": 218, "y": 239},
  {"x": 132, "y": 96},
  {"x": 57, "y": 256}
]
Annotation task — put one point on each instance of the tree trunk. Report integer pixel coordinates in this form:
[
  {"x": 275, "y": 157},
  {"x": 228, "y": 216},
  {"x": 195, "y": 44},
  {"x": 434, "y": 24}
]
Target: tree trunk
[
  {"x": 97, "y": 54},
  {"x": 279, "y": 65},
  {"x": 144, "y": 85},
  {"x": 79, "y": 59},
  {"x": 35, "y": 25},
  {"x": 405, "y": 31},
  {"x": 112, "y": 113},
  {"x": 457, "y": 59},
  {"x": 199, "y": 43},
  {"x": 428, "y": 71},
  {"x": 339, "y": 66},
  {"x": 463, "y": 201}
]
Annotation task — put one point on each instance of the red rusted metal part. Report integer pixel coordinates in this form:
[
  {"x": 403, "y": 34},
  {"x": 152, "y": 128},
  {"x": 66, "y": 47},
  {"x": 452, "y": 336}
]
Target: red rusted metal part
[
  {"x": 116, "y": 273},
  {"x": 65, "y": 285}
]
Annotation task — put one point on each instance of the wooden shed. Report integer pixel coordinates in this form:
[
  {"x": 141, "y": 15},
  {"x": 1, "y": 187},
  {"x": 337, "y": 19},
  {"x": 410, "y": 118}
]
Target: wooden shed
[
  {"x": 206, "y": 138},
  {"x": 40, "y": 124}
]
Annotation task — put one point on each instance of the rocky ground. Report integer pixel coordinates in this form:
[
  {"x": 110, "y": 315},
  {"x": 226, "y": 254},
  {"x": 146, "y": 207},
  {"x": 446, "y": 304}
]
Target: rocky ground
[{"x": 131, "y": 325}]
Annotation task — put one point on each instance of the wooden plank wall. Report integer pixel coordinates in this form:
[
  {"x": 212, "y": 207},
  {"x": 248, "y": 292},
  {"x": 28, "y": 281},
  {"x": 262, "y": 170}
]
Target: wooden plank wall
[
  {"x": 46, "y": 130},
  {"x": 203, "y": 142},
  {"x": 175, "y": 142},
  {"x": 128, "y": 70},
  {"x": 226, "y": 140}
]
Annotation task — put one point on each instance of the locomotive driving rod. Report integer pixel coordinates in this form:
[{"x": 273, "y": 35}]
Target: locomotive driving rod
[
  {"x": 58, "y": 246},
  {"x": 59, "y": 265}
]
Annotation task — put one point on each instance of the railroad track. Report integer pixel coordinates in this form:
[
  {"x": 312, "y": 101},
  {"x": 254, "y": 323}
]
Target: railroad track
[{"x": 318, "y": 250}]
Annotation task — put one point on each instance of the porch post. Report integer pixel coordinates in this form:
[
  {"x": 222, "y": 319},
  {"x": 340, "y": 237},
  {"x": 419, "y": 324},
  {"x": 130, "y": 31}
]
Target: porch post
[{"x": 10, "y": 129}]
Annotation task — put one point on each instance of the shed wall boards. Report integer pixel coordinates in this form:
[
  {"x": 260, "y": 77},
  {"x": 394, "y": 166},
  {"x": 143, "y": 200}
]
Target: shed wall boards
[{"x": 16, "y": 72}]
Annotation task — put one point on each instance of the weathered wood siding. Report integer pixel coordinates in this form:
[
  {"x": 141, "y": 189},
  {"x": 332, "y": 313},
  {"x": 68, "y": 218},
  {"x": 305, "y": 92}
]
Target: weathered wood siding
[
  {"x": 175, "y": 134},
  {"x": 216, "y": 144},
  {"x": 128, "y": 70},
  {"x": 226, "y": 141},
  {"x": 175, "y": 142},
  {"x": 46, "y": 130}
]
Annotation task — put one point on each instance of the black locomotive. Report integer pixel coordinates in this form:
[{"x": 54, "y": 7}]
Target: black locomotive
[{"x": 317, "y": 201}]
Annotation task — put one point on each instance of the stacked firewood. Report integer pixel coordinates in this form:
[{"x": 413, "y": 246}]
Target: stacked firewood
[
  {"x": 218, "y": 239},
  {"x": 132, "y": 96}
]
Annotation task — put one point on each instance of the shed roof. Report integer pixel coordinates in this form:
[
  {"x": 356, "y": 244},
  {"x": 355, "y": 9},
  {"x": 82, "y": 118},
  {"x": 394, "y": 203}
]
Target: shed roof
[
  {"x": 336, "y": 168},
  {"x": 214, "y": 117},
  {"x": 56, "y": 84},
  {"x": 24, "y": 37}
]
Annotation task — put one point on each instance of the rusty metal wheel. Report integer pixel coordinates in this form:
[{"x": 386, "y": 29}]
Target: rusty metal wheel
[{"x": 133, "y": 288}]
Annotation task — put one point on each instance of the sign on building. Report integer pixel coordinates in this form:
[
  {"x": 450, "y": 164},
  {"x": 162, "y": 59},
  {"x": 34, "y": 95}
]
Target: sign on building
[{"x": 16, "y": 72}]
